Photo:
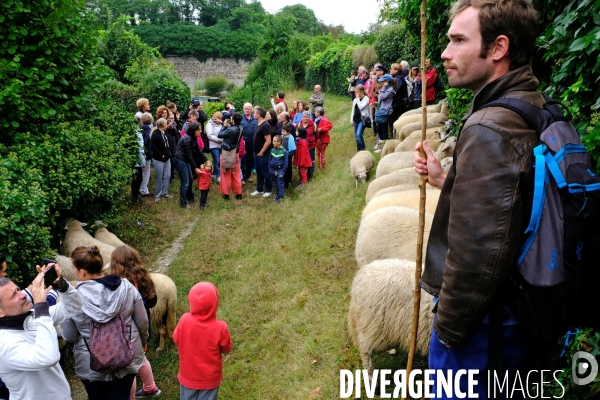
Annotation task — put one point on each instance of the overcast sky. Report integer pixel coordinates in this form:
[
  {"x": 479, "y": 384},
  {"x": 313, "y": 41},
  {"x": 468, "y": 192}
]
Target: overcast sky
[{"x": 336, "y": 12}]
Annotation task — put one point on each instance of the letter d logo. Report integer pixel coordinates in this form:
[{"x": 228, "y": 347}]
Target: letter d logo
[{"x": 589, "y": 366}]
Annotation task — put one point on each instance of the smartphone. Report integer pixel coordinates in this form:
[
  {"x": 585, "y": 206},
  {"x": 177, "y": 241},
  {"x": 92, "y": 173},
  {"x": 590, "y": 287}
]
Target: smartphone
[{"x": 51, "y": 274}]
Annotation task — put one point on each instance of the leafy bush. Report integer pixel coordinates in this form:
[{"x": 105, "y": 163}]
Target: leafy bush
[
  {"x": 396, "y": 43},
  {"x": 364, "y": 55},
  {"x": 459, "y": 101},
  {"x": 157, "y": 81},
  {"x": 24, "y": 216},
  {"x": 211, "y": 108},
  {"x": 199, "y": 85},
  {"x": 215, "y": 84},
  {"x": 121, "y": 93},
  {"x": 330, "y": 69},
  {"x": 48, "y": 62}
]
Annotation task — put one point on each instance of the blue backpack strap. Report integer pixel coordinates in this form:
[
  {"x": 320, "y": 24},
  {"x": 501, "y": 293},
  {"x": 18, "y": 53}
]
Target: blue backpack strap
[{"x": 540, "y": 181}]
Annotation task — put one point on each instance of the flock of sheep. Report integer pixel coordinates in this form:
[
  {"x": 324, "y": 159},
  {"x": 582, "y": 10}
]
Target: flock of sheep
[
  {"x": 162, "y": 316},
  {"x": 381, "y": 305}
]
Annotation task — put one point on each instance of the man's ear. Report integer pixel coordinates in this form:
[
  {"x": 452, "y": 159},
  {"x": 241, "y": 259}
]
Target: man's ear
[{"x": 499, "y": 48}]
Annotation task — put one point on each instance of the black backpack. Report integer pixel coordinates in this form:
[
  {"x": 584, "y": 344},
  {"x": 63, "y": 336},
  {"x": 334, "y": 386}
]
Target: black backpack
[
  {"x": 438, "y": 85},
  {"x": 554, "y": 284}
]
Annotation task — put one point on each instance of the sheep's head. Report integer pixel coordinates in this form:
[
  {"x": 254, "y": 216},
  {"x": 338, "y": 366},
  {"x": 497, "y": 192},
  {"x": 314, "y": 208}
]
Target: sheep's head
[
  {"x": 72, "y": 223},
  {"x": 444, "y": 106},
  {"x": 446, "y": 163}
]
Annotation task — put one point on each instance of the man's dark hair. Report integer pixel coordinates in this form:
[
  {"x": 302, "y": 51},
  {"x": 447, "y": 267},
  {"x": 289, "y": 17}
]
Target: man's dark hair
[
  {"x": 516, "y": 19},
  {"x": 280, "y": 94},
  {"x": 261, "y": 111},
  {"x": 287, "y": 127},
  {"x": 302, "y": 132},
  {"x": 2, "y": 258},
  {"x": 4, "y": 281}
]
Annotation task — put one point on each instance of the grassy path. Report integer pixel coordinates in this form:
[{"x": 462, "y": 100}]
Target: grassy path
[{"x": 283, "y": 272}]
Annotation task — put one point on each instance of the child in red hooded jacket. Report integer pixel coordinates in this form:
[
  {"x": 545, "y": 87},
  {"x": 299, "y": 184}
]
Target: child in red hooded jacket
[{"x": 201, "y": 339}]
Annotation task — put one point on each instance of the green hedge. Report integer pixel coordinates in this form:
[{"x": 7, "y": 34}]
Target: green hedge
[{"x": 330, "y": 68}]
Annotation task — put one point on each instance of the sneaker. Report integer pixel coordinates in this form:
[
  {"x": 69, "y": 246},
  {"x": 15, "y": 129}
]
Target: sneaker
[
  {"x": 157, "y": 199},
  {"x": 243, "y": 183},
  {"x": 250, "y": 179},
  {"x": 238, "y": 196},
  {"x": 142, "y": 393},
  {"x": 255, "y": 193},
  {"x": 267, "y": 194},
  {"x": 168, "y": 196},
  {"x": 145, "y": 194},
  {"x": 226, "y": 196},
  {"x": 300, "y": 186},
  {"x": 189, "y": 207},
  {"x": 278, "y": 200},
  {"x": 202, "y": 207}
]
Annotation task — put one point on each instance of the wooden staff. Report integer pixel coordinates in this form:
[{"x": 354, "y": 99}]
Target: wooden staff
[{"x": 417, "y": 290}]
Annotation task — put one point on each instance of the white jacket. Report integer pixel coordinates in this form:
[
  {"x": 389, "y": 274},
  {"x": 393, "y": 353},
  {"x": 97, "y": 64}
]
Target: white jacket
[
  {"x": 212, "y": 130},
  {"x": 29, "y": 358},
  {"x": 363, "y": 106}
]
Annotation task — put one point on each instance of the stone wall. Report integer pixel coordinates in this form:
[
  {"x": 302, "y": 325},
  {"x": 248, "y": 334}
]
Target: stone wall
[{"x": 190, "y": 70}]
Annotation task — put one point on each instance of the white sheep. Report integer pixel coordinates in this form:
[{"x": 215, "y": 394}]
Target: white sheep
[
  {"x": 103, "y": 235},
  {"x": 381, "y": 309},
  {"x": 394, "y": 162},
  {"x": 361, "y": 164},
  {"x": 431, "y": 109},
  {"x": 447, "y": 163},
  {"x": 404, "y": 120},
  {"x": 406, "y": 198},
  {"x": 162, "y": 315},
  {"x": 68, "y": 272},
  {"x": 407, "y": 178},
  {"x": 389, "y": 232},
  {"x": 389, "y": 147},
  {"x": 446, "y": 148},
  {"x": 410, "y": 142},
  {"x": 436, "y": 121},
  {"x": 76, "y": 237}
]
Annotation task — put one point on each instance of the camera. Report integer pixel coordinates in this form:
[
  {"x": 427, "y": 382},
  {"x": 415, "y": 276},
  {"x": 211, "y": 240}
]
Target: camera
[{"x": 50, "y": 276}]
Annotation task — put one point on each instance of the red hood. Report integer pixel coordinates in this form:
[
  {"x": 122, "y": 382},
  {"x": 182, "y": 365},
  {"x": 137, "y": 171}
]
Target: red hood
[{"x": 204, "y": 300}]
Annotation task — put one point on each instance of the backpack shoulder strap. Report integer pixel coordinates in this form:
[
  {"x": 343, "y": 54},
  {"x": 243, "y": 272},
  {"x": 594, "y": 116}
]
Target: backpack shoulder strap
[{"x": 538, "y": 118}]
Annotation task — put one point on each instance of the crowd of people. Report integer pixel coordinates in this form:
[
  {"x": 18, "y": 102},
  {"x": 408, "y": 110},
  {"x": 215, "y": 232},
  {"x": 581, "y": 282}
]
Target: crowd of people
[
  {"x": 107, "y": 320},
  {"x": 267, "y": 142},
  {"x": 473, "y": 243},
  {"x": 381, "y": 95}
]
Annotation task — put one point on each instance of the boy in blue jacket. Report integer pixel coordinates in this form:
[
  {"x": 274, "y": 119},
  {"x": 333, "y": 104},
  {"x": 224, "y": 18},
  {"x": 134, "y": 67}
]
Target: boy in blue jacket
[{"x": 278, "y": 162}]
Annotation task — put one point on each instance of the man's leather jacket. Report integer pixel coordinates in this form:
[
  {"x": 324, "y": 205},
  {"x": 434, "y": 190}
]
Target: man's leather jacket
[{"x": 483, "y": 208}]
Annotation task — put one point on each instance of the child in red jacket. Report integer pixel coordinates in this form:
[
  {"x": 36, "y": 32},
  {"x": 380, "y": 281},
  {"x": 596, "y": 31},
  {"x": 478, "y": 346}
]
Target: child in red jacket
[
  {"x": 204, "y": 182},
  {"x": 322, "y": 128},
  {"x": 201, "y": 339},
  {"x": 302, "y": 157}
]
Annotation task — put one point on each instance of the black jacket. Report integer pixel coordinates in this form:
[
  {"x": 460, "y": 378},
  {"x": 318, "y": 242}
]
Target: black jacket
[
  {"x": 160, "y": 152},
  {"x": 187, "y": 151},
  {"x": 231, "y": 137}
]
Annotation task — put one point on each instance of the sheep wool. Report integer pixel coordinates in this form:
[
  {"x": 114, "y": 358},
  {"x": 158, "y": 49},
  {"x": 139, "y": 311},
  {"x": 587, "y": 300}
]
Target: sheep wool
[
  {"x": 76, "y": 236},
  {"x": 360, "y": 165},
  {"x": 446, "y": 148},
  {"x": 394, "y": 162},
  {"x": 447, "y": 163},
  {"x": 389, "y": 147},
  {"x": 406, "y": 177},
  {"x": 408, "y": 144},
  {"x": 103, "y": 235},
  {"x": 405, "y": 120},
  {"x": 162, "y": 315},
  {"x": 389, "y": 232},
  {"x": 68, "y": 271},
  {"x": 406, "y": 198},
  {"x": 381, "y": 309},
  {"x": 432, "y": 109}
]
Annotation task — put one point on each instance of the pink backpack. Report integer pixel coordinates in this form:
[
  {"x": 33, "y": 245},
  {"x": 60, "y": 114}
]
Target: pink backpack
[{"x": 110, "y": 348}]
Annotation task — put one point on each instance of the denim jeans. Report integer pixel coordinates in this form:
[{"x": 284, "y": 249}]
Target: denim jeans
[
  {"x": 359, "y": 129},
  {"x": 184, "y": 170},
  {"x": 263, "y": 180},
  {"x": 216, "y": 156}
]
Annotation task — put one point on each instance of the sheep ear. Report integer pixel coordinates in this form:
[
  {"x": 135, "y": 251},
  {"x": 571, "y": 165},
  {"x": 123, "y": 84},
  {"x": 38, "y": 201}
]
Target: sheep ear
[{"x": 82, "y": 224}]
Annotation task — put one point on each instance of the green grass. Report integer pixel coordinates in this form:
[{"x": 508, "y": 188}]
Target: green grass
[{"x": 283, "y": 272}]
